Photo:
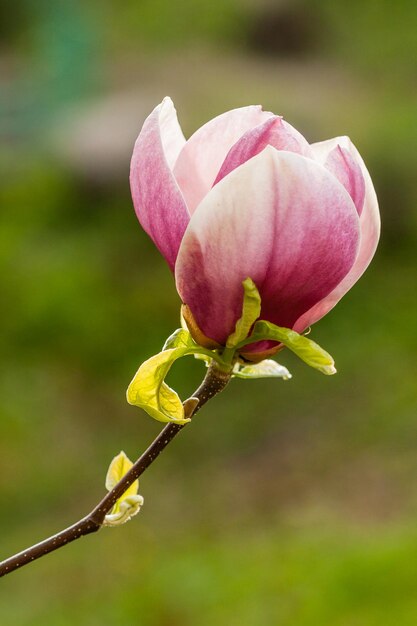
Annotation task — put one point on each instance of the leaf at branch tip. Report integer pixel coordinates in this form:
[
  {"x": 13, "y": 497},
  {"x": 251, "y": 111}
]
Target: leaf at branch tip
[
  {"x": 130, "y": 502},
  {"x": 264, "y": 369},
  {"x": 149, "y": 391},
  {"x": 251, "y": 310}
]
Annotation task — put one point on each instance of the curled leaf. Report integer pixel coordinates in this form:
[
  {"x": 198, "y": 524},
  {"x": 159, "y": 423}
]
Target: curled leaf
[
  {"x": 251, "y": 309},
  {"x": 130, "y": 502},
  {"x": 149, "y": 391},
  {"x": 180, "y": 338},
  {"x": 306, "y": 349},
  {"x": 118, "y": 467},
  {"x": 264, "y": 369},
  {"x": 128, "y": 508}
]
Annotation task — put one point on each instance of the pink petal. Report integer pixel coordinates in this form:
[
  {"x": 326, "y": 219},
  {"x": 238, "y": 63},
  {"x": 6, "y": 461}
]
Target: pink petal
[
  {"x": 157, "y": 199},
  {"x": 275, "y": 132},
  {"x": 201, "y": 158},
  {"x": 342, "y": 163},
  {"x": 281, "y": 219},
  {"x": 370, "y": 226}
]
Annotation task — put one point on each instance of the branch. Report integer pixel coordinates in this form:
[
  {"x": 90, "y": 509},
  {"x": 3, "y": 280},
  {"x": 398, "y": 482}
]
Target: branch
[{"x": 214, "y": 382}]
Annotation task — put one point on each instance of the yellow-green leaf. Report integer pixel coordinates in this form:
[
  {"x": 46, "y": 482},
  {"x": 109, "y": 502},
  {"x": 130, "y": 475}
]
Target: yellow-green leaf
[
  {"x": 119, "y": 466},
  {"x": 251, "y": 310},
  {"x": 180, "y": 338},
  {"x": 130, "y": 502},
  {"x": 264, "y": 369},
  {"x": 306, "y": 349},
  {"x": 127, "y": 508},
  {"x": 149, "y": 391}
]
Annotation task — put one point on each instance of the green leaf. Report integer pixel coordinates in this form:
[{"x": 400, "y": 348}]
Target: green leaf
[
  {"x": 149, "y": 391},
  {"x": 130, "y": 502},
  {"x": 180, "y": 338},
  {"x": 306, "y": 349},
  {"x": 251, "y": 310},
  {"x": 120, "y": 466},
  {"x": 264, "y": 369}
]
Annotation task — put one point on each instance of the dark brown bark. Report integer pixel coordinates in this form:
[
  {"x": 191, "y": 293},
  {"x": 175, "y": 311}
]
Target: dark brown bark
[{"x": 214, "y": 382}]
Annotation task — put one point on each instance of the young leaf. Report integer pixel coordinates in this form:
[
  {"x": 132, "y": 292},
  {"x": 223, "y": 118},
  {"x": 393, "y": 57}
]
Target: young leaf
[
  {"x": 180, "y": 338},
  {"x": 120, "y": 466},
  {"x": 251, "y": 310},
  {"x": 306, "y": 349},
  {"x": 264, "y": 369},
  {"x": 130, "y": 502},
  {"x": 128, "y": 508},
  {"x": 149, "y": 391}
]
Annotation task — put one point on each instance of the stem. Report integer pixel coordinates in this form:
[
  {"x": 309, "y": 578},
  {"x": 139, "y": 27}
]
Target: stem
[{"x": 214, "y": 382}]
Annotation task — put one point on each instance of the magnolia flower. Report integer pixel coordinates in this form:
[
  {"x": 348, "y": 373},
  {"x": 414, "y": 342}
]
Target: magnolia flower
[{"x": 248, "y": 196}]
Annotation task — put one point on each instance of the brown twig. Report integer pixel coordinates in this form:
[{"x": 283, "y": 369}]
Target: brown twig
[{"x": 214, "y": 382}]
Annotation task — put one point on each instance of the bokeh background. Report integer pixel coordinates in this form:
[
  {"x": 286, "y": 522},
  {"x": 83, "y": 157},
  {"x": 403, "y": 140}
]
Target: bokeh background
[{"x": 285, "y": 502}]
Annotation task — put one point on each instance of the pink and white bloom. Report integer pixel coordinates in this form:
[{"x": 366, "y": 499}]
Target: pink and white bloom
[{"x": 247, "y": 195}]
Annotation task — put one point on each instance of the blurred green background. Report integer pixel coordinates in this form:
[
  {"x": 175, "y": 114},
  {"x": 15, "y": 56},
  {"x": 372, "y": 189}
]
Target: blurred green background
[{"x": 285, "y": 502}]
